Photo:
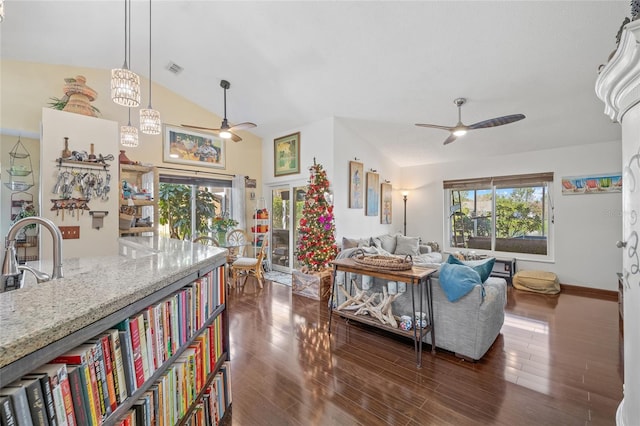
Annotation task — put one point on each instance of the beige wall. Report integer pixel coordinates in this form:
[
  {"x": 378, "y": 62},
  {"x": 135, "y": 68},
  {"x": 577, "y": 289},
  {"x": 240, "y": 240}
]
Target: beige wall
[{"x": 27, "y": 87}]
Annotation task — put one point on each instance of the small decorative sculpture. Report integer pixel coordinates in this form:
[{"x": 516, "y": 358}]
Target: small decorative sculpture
[{"x": 79, "y": 95}]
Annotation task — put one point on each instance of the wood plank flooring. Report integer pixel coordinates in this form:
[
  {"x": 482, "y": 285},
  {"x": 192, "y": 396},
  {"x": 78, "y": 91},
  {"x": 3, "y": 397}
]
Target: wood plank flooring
[{"x": 556, "y": 362}]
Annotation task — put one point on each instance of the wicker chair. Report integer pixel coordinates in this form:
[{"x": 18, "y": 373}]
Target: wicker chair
[
  {"x": 249, "y": 266},
  {"x": 206, "y": 241}
]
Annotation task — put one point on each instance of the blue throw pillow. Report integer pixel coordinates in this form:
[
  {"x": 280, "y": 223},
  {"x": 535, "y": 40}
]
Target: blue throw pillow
[
  {"x": 457, "y": 280},
  {"x": 482, "y": 267}
]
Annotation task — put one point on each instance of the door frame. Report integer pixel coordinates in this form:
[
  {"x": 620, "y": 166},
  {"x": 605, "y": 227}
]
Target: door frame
[{"x": 269, "y": 188}]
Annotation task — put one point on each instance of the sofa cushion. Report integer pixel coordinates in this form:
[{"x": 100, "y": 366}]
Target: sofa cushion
[
  {"x": 407, "y": 245},
  {"x": 386, "y": 242},
  {"x": 348, "y": 243},
  {"x": 457, "y": 280},
  {"x": 482, "y": 267}
]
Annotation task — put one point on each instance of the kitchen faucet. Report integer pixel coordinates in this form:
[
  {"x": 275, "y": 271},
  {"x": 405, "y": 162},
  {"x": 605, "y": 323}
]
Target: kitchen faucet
[{"x": 10, "y": 266}]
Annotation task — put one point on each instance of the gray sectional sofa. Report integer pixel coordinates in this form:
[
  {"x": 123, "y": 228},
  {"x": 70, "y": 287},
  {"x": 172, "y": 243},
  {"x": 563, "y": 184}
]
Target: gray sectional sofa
[{"x": 467, "y": 327}]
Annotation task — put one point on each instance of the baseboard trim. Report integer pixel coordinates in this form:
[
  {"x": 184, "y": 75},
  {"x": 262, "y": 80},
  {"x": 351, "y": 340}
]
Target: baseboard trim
[{"x": 596, "y": 293}]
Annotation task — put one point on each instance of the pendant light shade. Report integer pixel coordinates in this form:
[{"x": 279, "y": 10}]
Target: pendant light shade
[
  {"x": 125, "y": 84},
  {"x": 125, "y": 87},
  {"x": 129, "y": 134},
  {"x": 150, "y": 122}
]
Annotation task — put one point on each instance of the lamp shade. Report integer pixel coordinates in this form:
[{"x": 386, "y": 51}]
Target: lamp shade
[
  {"x": 150, "y": 122},
  {"x": 125, "y": 87},
  {"x": 129, "y": 136}
]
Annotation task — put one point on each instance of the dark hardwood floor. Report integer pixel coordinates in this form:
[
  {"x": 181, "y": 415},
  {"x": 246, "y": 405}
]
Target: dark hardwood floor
[{"x": 556, "y": 362}]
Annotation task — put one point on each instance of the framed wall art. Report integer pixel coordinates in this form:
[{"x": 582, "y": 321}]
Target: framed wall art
[
  {"x": 592, "y": 184},
  {"x": 372, "y": 200},
  {"x": 386, "y": 212},
  {"x": 286, "y": 155},
  {"x": 356, "y": 194},
  {"x": 194, "y": 148}
]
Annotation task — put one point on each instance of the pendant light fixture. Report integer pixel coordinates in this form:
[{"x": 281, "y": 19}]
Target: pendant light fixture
[
  {"x": 129, "y": 134},
  {"x": 150, "y": 122},
  {"x": 125, "y": 84}
]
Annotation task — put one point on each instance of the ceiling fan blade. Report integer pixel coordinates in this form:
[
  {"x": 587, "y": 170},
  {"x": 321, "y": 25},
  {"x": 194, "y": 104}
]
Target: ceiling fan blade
[
  {"x": 235, "y": 137},
  {"x": 450, "y": 139},
  {"x": 498, "y": 121},
  {"x": 435, "y": 126},
  {"x": 201, "y": 128},
  {"x": 242, "y": 126}
]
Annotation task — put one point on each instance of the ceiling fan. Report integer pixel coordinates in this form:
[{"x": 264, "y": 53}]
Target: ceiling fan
[
  {"x": 225, "y": 131},
  {"x": 460, "y": 129}
]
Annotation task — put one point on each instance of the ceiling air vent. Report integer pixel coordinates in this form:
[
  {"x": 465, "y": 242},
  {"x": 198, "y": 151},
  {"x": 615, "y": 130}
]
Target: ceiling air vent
[{"x": 174, "y": 68}]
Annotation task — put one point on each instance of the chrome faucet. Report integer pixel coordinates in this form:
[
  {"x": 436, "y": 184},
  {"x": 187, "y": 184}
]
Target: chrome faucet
[{"x": 10, "y": 266}]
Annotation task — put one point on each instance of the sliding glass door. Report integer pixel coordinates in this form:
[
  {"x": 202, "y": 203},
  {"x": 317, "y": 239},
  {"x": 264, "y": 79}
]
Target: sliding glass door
[{"x": 286, "y": 210}]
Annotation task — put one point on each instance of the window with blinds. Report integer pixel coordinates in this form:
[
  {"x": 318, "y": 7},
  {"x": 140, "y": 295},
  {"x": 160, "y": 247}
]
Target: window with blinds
[{"x": 500, "y": 213}]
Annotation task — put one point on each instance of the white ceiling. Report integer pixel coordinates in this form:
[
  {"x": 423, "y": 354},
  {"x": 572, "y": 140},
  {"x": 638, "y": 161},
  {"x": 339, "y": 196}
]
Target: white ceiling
[{"x": 381, "y": 66}]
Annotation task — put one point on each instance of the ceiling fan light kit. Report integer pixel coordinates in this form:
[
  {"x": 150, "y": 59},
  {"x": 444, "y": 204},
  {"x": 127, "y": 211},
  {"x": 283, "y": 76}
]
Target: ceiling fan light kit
[
  {"x": 225, "y": 131},
  {"x": 461, "y": 129}
]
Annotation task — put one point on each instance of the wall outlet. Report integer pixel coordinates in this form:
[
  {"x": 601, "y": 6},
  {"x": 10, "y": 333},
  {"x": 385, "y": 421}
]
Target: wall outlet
[{"x": 70, "y": 232}]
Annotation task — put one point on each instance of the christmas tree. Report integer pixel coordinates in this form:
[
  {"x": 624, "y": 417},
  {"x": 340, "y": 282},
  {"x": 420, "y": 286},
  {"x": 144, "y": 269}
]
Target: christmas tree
[{"x": 317, "y": 242}]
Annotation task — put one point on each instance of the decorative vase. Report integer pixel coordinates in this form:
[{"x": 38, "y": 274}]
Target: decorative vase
[
  {"x": 123, "y": 159},
  {"x": 222, "y": 237}
]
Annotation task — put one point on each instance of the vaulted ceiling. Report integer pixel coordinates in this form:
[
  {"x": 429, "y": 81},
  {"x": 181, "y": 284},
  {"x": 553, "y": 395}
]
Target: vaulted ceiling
[{"x": 379, "y": 66}]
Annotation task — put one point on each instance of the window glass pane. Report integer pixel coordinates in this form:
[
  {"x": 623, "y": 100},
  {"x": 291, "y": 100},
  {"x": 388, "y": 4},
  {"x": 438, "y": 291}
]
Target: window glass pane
[
  {"x": 471, "y": 218},
  {"x": 521, "y": 220}
]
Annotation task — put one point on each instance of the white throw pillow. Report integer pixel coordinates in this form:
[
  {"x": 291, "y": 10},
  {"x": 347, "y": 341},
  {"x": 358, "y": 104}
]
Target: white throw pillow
[
  {"x": 386, "y": 242},
  {"x": 407, "y": 245}
]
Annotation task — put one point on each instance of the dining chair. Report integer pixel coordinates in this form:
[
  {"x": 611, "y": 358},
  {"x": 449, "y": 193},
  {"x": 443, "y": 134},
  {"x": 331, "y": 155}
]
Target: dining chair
[
  {"x": 250, "y": 266},
  {"x": 237, "y": 242}
]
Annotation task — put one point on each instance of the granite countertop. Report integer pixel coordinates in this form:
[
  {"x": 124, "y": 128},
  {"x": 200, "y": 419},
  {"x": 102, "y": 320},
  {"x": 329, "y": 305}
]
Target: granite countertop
[{"x": 92, "y": 288}]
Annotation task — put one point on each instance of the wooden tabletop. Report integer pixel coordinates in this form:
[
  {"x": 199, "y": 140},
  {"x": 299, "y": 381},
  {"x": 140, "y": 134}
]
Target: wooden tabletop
[{"x": 412, "y": 276}]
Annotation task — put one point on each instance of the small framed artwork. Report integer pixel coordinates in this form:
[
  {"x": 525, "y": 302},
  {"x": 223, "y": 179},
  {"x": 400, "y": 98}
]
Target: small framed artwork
[
  {"x": 194, "y": 148},
  {"x": 592, "y": 184},
  {"x": 386, "y": 213},
  {"x": 355, "y": 184},
  {"x": 286, "y": 155},
  {"x": 372, "y": 194}
]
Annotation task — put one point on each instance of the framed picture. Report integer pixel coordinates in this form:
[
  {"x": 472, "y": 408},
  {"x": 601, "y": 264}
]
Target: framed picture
[
  {"x": 286, "y": 155},
  {"x": 592, "y": 184},
  {"x": 386, "y": 212},
  {"x": 195, "y": 148},
  {"x": 355, "y": 184},
  {"x": 373, "y": 194}
]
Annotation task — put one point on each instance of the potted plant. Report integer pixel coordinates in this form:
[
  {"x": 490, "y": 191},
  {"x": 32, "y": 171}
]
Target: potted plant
[{"x": 221, "y": 225}]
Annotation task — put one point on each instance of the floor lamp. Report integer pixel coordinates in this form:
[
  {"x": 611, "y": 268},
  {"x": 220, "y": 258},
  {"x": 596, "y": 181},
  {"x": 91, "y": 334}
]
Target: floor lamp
[{"x": 404, "y": 198}]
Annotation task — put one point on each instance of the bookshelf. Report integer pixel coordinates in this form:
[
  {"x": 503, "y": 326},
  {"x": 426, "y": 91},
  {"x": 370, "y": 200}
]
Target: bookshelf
[
  {"x": 138, "y": 205},
  {"x": 201, "y": 273}
]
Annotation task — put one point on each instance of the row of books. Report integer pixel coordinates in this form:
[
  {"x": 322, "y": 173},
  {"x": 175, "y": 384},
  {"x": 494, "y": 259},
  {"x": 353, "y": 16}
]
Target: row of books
[
  {"x": 164, "y": 403},
  {"x": 86, "y": 384}
]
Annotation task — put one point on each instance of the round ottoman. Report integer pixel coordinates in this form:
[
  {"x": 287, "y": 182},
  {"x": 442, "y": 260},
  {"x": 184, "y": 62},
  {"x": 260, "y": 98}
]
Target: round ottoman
[{"x": 537, "y": 282}]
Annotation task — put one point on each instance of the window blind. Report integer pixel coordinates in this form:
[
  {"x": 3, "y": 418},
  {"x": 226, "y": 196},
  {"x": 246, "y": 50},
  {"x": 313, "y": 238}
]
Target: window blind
[{"x": 508, "y": 181}]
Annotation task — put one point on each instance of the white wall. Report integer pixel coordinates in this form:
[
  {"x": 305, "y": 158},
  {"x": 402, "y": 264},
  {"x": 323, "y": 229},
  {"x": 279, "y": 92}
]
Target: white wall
[
  {"x": 586, "y": 226},
  {"x": 81, "y": 131},
  {"x": 353, "y": 223}
]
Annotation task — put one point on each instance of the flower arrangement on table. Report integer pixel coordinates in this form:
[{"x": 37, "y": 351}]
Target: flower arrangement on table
[{"x": 221, "y": 225}]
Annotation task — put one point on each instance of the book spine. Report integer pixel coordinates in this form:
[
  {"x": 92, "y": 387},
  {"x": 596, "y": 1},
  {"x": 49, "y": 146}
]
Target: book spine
[
  {"x": 159, "y": 334},
  {"x": 48, "y": 398},
  {"x": 127, "y": 361},
  {"x": 136, "y": 351},
  {"x": 116, "y": 357},
  {"x": 108, "y": 370},
  {"x": 93, "y": 388},
  {"x": 78, "y": 394},
  {"x": 101, "y": 378},
  {"x": 66, "y": 395},
  {"x": 21, "y": 405},
  {"x": 87, "y": 387},
  {"x": 36, "y": 402},
  {"x": 7, "y": 412},
  {"x": 144, "y": 352}
]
